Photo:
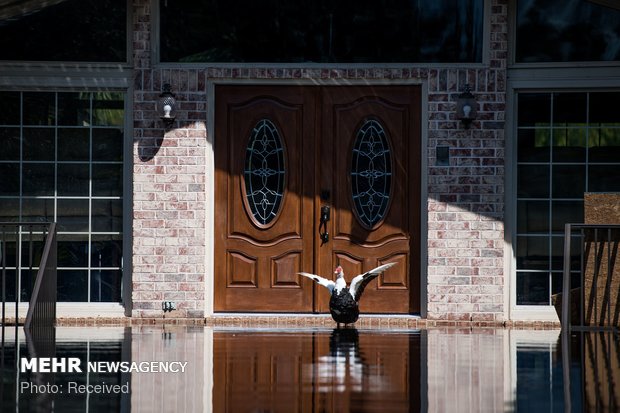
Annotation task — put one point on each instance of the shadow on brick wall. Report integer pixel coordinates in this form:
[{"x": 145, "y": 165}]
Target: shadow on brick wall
[{"x": 148, "y": 147}]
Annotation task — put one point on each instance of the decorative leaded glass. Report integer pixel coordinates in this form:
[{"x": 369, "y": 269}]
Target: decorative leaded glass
[
  {"x": 371, "y": 173},
  {"x": 264, "y": 172}
]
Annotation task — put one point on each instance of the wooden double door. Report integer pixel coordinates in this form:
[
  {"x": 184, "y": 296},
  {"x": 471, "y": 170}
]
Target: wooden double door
[{"x": 310, "y": 177}]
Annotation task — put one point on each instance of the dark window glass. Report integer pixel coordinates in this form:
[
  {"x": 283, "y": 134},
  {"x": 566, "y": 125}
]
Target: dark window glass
[
  {"x": 65, "y": 164},
  {"x": 567, "y": 144},
  {"x": 533, "y": 217},
  {"x": 38, "y": 179},
  {"x": 568, "y": 181},
  {"x": 105, "y": 285},
  {"x": 27, "y": 282},
  {"x": 73, "y": 179},
  {"x": 10, "y": 278},
  {"x": 534, "y": 145},
  {"x": 74, "y": 109},
  {"x": 9, "y": 108},
  {"x": 38, "y": 210},
  {"x": 106, "y": 251},
  {"x": 533, "y": 181},
  {"x": 72, "y": 285},
  {"x": 604, "y": 145},
  {"x": 10, "y": 143},
  {"x": 107, "y": 215},
  {"x": 108, "y": 109},
  {"x": 39, "y": 108},
  {"x": 557, "y": 253},
  {"x": 9, "y": 251},
  {"x": 604, "y": 178},
  {"x": 532, "y": 253},
  {"x": 107, "y": 144},
  {"x": 564, "y": 212},
  {"x": 107, "y": 180},
  {"x": 9, "y": 208},
  {"x": 38, "y": 144},
  {"x": 321, "y": 31},
  {"x": 603, "y": 108},
  {"x": 73, "y": 215},
  {"x": 533, "y": 288},
  {"x": 569, "y": 109},
  {"x": 73, "y": 144},
  {"x": 73, "y": 30},
  {"x": 9, "y": 179},
  {"x": 534, "y": 109},
  {"x": 72, "y": 251},
  {"x": 566, "y": 31}
]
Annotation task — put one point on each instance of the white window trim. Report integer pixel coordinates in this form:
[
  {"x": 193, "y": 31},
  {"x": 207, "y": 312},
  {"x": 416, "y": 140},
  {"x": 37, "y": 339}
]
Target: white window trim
[
  {"x": 540, "y": 80},
  {"x": 72, "y": 309}
]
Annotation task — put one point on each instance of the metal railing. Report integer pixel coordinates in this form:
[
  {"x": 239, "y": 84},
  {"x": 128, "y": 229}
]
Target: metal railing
[
  {"x": 598, "y": 286},
  {"x": 28, "y": 258},
  {"x": 28, "y": 255},
  {"x": 42, "y": 308}
]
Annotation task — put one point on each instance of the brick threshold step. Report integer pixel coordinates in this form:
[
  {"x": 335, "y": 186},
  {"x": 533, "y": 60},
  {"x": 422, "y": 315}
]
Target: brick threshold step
[{"x": 262, "y": 320}]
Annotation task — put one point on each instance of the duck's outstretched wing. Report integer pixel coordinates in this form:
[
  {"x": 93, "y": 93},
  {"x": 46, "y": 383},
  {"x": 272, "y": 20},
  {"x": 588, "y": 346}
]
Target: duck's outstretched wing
[
  {"x": 329, "y": 284},
  {"x": 361, "y": 281}
]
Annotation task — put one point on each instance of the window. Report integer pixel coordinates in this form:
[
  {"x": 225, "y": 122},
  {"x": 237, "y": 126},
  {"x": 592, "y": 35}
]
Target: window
[
  {"x": 371, "y": 173},
  {"x": 63, "y": 161},
  {"x": 70, "y": 30},
  {"x": 347, "y": 31},
  {"x": 566, "y": 31},
  {"x": 264, "y": 173},
  {"x": 567, "y": 143}
]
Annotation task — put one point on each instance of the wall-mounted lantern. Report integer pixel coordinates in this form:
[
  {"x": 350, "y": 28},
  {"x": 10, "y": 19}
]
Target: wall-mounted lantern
[
  {"x": 466, "y": 107},
  {"x": 166, "y": 106}
]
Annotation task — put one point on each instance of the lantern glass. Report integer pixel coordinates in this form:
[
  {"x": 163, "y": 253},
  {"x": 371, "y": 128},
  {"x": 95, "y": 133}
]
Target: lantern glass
[
  {"x": 166, "y": 106},
  {"x": 466, "y": 107}
]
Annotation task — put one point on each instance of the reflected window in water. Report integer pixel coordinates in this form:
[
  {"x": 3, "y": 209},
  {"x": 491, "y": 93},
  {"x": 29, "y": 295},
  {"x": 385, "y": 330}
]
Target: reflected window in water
[{"x": 321, "y": 370}]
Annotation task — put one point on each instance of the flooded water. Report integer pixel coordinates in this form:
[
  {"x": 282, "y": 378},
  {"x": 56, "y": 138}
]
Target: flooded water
[{"x": 202, "y": 369}]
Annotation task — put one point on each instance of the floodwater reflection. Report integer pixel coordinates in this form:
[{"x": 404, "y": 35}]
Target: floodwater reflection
[{"x": 316, "y": 370}]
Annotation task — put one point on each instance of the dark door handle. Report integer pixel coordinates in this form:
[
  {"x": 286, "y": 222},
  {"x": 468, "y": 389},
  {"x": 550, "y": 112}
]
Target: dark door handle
[{"x": 325, "y": 212}]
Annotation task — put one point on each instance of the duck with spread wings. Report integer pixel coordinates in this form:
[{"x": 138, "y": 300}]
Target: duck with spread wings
[{"x": 344, "y": 301}]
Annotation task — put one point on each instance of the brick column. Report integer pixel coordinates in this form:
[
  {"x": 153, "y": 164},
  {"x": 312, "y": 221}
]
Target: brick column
[{"x": 168, "y": 186}]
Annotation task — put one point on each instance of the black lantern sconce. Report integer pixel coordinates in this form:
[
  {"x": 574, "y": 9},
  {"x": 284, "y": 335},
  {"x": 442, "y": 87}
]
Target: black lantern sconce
[
  {"x": 167, "y": 106},
  {"x": 466, "y": 107}
]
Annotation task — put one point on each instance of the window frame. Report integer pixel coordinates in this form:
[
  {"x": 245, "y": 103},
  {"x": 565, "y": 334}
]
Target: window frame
[
  {"x": 45, "y": 76},
  {"x": 126, "y": 198},
  {"x": 564, "y": 82},
  {"x": 542, "y": 77}
]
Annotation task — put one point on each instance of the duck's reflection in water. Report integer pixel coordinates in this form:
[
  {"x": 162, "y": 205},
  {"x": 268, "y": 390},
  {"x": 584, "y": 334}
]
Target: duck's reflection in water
[
  {"x": 316, "y": 371},
  {"x": 343, "y": 368}
]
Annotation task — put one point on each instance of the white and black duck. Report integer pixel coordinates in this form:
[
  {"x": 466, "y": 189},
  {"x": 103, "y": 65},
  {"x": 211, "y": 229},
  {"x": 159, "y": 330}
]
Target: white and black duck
[{"x": 344, "y": 301}]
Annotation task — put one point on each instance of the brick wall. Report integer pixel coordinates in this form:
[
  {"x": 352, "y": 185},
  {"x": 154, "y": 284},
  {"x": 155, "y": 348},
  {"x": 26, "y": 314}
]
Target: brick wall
[
  {"x": 465, "y": 199},
  {"x": 467, "y": 370}
]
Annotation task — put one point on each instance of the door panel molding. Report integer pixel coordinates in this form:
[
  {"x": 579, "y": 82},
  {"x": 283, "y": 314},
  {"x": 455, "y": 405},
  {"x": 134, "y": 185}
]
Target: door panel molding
[{"x": 317, "y": 126}]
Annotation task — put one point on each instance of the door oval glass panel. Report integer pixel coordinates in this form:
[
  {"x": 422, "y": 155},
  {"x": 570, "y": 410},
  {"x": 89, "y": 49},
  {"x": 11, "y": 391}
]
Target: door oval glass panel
[
  {"x": 371, "y": 173},
  {"x": 264, "y": 173}
]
